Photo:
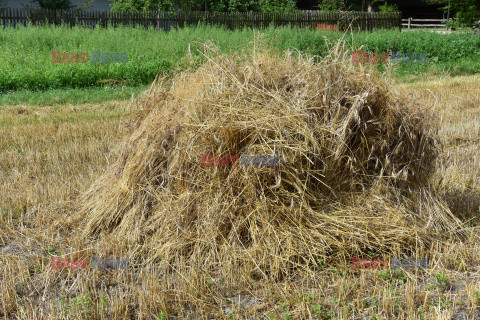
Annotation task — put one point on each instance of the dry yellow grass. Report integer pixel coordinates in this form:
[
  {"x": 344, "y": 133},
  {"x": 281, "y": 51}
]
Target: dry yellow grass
[{"x": 49, "y": 156}]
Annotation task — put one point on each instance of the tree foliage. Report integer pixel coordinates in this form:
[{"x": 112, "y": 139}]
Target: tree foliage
[
  {"x": 466, "y": 11},
  {"x": 357, "y": 5},
  {"x": 384, "y": 6},
  {"x": 53, "y": 4},
  {"x": 210, "y": 5},
  {"x": 246, "y": 5},
  {"x": 57, "y": 4},
  {"x": 331, "y": 5}
]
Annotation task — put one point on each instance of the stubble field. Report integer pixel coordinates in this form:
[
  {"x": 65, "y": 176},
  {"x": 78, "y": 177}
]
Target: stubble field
[{"x": 52, "y": 154}]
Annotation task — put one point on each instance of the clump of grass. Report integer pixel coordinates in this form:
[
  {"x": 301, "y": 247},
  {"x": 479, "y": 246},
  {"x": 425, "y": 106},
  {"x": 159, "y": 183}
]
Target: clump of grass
[
  {"x": 443, "y": 282},
  {"x": 355, "y": 160}
]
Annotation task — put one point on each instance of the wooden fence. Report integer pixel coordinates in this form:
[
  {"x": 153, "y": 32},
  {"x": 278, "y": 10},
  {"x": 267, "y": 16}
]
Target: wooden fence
[
  {"x": 426, "y": 23},
  {"x": 436, "y": 24},
  {"x": 168, "y": 20}
]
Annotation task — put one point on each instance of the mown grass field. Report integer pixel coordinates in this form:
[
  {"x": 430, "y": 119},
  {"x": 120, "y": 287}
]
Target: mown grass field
[{"x": 51, "y": 151}]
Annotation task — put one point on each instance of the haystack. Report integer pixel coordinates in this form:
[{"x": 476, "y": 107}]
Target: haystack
[{"x": 355, "y": 159}]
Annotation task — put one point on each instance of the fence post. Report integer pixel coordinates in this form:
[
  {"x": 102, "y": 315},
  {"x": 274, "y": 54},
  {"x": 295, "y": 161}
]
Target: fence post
[{"x": 409, "y": 20}]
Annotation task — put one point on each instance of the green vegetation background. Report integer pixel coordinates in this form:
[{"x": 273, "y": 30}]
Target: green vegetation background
[{"x": 25, "y": 53}]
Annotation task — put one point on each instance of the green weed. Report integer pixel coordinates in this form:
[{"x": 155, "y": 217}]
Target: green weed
[{"x": 26, "y": 53}]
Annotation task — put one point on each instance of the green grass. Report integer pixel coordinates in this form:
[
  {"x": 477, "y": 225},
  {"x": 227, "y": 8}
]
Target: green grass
[{"x": 26, "y": 68}]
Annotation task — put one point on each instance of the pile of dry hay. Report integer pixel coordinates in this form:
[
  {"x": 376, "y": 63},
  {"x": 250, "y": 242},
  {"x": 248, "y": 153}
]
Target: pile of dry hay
[{"x": 354, "y": 164}]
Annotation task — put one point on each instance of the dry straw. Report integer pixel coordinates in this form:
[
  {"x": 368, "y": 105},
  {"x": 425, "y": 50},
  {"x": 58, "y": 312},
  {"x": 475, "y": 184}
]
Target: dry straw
[{"x": 355, "y": 159}]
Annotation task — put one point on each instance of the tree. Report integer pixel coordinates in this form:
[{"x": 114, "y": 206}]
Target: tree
[
  {"x": 332, "y": 5},
  {"x": 87, "y": 4},
  {"x": 367, "y": 5},
  {"x": 466, "y": 11},
  {"x": 358, "y": 5},
  {"x": 277, "y": 6},
  {"x": 210, "y": 5},
  {"x": 384, "y": 6},
  {"x": 52, "y": 4}
]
